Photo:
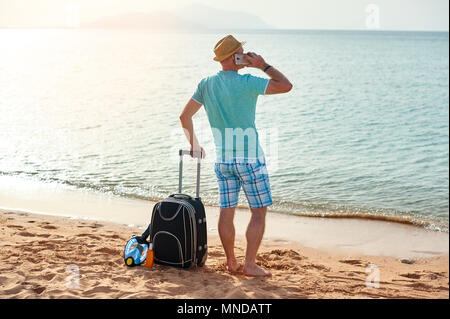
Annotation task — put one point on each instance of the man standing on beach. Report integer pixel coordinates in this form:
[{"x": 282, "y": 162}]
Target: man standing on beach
[{"x": 230, "y": 102}]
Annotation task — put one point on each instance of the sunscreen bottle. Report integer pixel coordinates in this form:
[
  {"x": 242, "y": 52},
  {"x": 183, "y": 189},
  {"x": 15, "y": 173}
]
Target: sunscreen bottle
[{"x": 149, "y": 259}]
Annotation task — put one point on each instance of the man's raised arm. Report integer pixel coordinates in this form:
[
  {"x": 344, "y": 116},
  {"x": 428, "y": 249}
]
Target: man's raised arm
[{"x": 278, "y": 82}]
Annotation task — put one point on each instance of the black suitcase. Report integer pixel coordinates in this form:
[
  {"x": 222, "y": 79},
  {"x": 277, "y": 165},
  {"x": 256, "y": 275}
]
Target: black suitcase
[{"x": 178, "y": 230}]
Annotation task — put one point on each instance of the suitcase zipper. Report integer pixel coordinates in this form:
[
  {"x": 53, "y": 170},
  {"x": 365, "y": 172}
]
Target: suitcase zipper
[
  {"x": 179, "y": 247},
  {"x": 191, "y": 211},
  {"x": 171, "y": 218}
]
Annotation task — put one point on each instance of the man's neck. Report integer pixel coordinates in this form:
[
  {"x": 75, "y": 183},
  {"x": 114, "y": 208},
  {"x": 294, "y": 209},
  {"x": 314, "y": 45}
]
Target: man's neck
[{"x": 230, "y": 68}]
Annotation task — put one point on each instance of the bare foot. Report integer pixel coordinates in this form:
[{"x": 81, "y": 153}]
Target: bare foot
[
  {"x": 233, "y": 266},
  {"x": 254, "y": 270}
]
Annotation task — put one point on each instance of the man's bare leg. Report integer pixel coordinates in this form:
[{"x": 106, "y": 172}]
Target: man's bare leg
[
  {"x": 227, "y": 235},
  {"x": 254, "y": 234}
]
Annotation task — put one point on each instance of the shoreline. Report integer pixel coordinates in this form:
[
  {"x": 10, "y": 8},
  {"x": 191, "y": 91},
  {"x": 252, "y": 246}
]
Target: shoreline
[
  {"x": 11, "y": 186},
  {"x": 45, "y": 256},
  {"x": 341, "y": 235}
]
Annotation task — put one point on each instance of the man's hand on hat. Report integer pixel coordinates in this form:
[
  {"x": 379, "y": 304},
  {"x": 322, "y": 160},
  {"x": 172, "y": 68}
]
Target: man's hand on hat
[{"x": 255, "y": 61}]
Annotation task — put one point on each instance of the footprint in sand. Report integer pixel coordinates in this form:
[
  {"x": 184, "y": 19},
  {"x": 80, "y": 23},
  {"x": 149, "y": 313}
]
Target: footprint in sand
[
  {"x": 412, "y": 275},
  {"x": 115, "y": 236},
  {"x": 16, "y": 227},
  {"x": 420, "y": 286},
  {"x": 317, "y": 267},
  {"x": 6, "y": 281},
  {"x": 12, "y": 291},
  {"x": 48, "y": 277},
  {"x": 49, "y": 227},
  {"x": 434, "y": 275},
  {"x": 280, "y": 254},
  {"x": 354, "y": 262},
  {"x": 26, "y": 234},
  {"x": 89, "y": 235},
  {"x": 94, "y": 226},
  {"x": 38, "y": 289}
]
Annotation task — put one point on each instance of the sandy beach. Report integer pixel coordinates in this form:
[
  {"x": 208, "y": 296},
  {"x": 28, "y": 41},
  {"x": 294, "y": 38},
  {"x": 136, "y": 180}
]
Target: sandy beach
[{"x": 45, "y": 256}]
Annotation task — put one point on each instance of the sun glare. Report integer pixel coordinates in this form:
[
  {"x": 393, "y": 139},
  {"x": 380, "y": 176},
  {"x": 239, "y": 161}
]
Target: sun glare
[{"x": 72, "y": 15}]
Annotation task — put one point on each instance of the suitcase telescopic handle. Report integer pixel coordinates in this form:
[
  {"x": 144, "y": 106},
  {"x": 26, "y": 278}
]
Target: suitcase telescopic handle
[{"x": 180, "y": 177}]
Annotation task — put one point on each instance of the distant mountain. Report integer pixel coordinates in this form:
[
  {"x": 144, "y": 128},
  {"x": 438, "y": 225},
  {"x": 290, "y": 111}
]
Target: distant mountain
[
  {"x": 154, "y": 20},
  {"x": 220, "y": 19},
  {"x": 195, "y": 17}
]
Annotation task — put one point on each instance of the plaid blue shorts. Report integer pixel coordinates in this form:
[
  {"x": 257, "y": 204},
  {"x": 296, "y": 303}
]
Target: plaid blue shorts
[{"x": 252, "y": 176}]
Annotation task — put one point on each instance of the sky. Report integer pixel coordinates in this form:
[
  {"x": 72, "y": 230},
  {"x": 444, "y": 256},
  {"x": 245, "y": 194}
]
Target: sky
[{"x": 428, "y": 15}]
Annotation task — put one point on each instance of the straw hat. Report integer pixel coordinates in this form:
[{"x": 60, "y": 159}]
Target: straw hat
[{"x": 226, "y": 47}]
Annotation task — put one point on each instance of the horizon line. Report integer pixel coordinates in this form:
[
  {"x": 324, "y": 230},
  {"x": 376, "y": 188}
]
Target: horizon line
[{"x": 205, "y": 29}]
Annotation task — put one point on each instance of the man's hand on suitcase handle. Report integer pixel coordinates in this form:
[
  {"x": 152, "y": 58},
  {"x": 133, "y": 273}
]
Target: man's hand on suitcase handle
[{"x": 197, "y": 149}]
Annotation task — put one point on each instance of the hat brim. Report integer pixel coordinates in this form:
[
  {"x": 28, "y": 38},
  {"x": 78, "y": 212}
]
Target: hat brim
[{"x": 223, "y": 57}]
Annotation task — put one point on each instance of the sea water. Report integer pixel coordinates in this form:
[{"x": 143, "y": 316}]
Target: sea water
[{"x": 363, "y": 133}]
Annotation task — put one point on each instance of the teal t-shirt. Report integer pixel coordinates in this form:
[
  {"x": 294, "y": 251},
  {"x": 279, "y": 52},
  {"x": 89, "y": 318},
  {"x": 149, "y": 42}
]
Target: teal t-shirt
[{"x": 230, "y": 103}]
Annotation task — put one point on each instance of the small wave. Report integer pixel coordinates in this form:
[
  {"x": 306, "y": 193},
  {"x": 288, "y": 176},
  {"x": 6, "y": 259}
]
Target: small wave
[
  {"x": 396, "y": 219},
  {"x": 406, "y": 220},
  {"x": 293, "y": 209}
]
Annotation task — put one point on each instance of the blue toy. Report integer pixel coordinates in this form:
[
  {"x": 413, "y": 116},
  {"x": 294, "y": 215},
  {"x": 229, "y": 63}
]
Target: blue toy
[{"x": 136, "y": 249}]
